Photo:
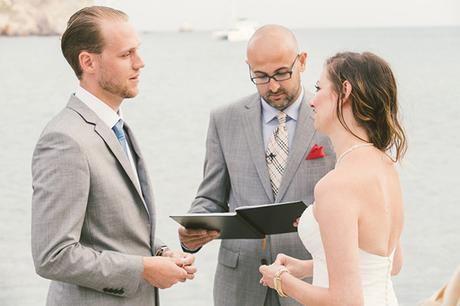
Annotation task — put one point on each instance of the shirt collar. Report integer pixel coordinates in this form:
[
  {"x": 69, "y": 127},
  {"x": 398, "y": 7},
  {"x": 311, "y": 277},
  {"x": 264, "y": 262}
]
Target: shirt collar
[
  {"x": 269, "y": 112},
  {"x": 102, "y": 110}
]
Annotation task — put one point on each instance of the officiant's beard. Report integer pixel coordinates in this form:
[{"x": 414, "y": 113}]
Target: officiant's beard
[{"x": 281, "y": 103}]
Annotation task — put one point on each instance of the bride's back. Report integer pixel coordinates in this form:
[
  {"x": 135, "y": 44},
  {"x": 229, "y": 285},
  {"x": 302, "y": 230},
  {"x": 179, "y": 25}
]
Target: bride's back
[{"x": 378, "y": 194}]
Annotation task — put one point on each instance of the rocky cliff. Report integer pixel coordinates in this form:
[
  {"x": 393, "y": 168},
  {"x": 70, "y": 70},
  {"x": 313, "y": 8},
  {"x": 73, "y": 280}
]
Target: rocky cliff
[{"x": 37, "y": 17}]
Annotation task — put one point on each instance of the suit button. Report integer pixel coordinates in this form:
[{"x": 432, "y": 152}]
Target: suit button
[{"x": 263, "y": 261}]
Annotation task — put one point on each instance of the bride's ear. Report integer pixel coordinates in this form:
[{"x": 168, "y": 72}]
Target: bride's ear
[{"x": 346, "y": 91}]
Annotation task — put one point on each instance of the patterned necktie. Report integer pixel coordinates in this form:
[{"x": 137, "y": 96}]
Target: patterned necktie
[
  {"x": 118, "y": 130},
  {"x": 277, "y": 153}
]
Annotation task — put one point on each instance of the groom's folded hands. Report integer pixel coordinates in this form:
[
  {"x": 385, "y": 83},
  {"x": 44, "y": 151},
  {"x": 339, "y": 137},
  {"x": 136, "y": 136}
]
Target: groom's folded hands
[
  {"x": 171, "y": 267},
  {"x": 184, "y": 260}
]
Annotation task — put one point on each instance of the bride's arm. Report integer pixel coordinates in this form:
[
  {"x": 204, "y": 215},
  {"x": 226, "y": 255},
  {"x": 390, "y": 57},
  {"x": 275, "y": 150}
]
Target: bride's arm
[
  {"x": 337, "y": 216},
  {"x": 397, "y": 260},
  {"x": 337, "y": 210}
]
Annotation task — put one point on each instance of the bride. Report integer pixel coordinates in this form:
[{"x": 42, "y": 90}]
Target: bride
[{"x": 354, "y": 227}]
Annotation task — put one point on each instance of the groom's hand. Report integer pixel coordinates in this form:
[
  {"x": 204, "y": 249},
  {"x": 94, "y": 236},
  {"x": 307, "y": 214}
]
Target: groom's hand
[
  {"x": 194, "y": 239},
  {"x": 186, "y": 261},
  {"x": 163, "y": 272}
]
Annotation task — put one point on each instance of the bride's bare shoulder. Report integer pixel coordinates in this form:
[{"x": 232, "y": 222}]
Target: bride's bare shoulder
[
  {"x": 336, "y": 180},
  {"x": 335, "y": 193},
  {"x": 333, "y": 184}
]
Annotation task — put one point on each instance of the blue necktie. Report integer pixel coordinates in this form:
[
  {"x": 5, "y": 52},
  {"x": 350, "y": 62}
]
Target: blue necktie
[{"x": 118, "y": 130}]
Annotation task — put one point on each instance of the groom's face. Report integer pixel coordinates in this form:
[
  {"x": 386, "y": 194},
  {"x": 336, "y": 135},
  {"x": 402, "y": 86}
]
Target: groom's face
[{"x": 119, "y": 63}]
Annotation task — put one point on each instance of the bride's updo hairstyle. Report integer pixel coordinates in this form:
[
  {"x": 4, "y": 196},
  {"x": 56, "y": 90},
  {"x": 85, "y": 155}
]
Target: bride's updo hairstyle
[{"x": 373, "y": 98}]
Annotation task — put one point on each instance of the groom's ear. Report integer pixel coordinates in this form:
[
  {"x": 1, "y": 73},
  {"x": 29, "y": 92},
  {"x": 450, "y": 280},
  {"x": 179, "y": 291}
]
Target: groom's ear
[{"x": 87, "y": 62}]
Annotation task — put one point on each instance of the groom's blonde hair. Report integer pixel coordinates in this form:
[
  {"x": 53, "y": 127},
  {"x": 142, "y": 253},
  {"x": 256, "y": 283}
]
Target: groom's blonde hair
[{"x": 83, "y": 33}]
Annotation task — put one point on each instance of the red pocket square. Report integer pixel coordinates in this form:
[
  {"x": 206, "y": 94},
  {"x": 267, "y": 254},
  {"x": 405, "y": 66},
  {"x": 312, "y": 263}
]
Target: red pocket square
[{"x": 316, "y": 152}]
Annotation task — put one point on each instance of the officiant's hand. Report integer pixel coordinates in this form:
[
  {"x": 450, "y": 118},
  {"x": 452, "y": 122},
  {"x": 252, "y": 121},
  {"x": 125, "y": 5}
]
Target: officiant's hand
[
  {"x": 194, "y": 239},
  {"x": 296, "y": 222}
]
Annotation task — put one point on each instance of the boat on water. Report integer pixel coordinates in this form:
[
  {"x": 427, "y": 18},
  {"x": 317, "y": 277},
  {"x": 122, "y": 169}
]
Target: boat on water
[
  {"x": 185, "y": 27},
  {"x": 241, "y": 30}
]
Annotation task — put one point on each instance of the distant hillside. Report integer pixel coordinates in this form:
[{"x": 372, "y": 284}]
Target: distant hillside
[{"x": 37, "y": 17}]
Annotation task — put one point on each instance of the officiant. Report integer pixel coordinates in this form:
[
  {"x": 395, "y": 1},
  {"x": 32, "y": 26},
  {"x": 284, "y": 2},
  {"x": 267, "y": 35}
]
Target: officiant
[{"x": 260, "y": 149}]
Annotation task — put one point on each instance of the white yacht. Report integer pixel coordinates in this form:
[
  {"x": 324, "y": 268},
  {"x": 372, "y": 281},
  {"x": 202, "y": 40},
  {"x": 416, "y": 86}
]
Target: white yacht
[{"x": 241, "y": 30}]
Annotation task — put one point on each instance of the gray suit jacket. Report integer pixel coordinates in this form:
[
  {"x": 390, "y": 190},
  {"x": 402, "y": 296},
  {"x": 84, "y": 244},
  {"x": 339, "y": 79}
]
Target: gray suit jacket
[
  {"x": 235, "y": 174},
  {"x": 90, "y": 225}
]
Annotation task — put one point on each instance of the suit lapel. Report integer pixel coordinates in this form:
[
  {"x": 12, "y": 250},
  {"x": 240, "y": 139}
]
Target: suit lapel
[
  {"x": 303, "y": 135},
  {"x": 108, "y": 136},
  {"x": 141, "y": 171},
  {"x": 253, "y": 130}
]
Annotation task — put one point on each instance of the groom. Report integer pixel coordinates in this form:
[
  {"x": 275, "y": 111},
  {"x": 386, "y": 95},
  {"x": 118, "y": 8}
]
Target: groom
[
  {"x": 260, "y": 149},
  {"x": 93, "y": 214}
]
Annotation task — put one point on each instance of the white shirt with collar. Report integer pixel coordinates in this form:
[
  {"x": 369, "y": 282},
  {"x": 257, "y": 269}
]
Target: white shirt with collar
[
  {"x": 270, "y": 119},
  {"x": 107, "y": 115}
]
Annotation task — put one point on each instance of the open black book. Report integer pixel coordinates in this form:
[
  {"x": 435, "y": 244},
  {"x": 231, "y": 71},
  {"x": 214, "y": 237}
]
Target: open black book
[{"x": 247, "y": 222}]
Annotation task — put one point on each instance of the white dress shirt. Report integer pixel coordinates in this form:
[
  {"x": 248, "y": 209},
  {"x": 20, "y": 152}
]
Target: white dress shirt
[{"x": 107, "y": 115}]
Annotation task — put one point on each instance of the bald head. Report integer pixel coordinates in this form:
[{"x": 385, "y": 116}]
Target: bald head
[
  {"x": 275, "y": 65},
  {"x": 273, "y": 40}
]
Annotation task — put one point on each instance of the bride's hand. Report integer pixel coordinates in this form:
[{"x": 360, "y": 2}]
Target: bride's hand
[
  {"x": 295, "y": 266},
  {"x": 268, "y": 273}
]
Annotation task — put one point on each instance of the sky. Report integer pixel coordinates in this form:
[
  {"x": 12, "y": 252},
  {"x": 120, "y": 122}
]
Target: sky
[{"x": 169, "y": 15}]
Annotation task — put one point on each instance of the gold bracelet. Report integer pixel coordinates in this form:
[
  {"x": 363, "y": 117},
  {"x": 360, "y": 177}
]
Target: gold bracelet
[{"x": 277, "y": 281}]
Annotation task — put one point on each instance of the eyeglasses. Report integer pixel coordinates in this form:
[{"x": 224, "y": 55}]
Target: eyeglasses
[{"x": 279, "y": 76}]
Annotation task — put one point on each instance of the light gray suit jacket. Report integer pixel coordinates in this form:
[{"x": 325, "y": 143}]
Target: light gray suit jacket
[
  {"x": 90, "y": 225},
  {"x": 235, "y": 174}
]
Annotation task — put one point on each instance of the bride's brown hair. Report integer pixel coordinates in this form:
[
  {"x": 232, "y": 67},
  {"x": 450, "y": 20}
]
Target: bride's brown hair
[{"x": 373, "y": 98}]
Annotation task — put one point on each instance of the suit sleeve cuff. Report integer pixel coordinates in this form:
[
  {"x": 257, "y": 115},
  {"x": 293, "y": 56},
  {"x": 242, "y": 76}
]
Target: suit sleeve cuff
[
  {"x": 161, "y": 250},
  {"x": 187, "y": 250}
]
